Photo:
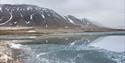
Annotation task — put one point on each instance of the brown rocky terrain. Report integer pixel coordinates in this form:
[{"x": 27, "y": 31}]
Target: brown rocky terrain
[{"x": 8, "y": 55}]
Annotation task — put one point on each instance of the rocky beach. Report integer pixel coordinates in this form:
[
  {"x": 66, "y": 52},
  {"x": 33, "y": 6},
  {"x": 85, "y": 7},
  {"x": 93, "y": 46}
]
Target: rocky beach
[{"x": 9, "y": 55}]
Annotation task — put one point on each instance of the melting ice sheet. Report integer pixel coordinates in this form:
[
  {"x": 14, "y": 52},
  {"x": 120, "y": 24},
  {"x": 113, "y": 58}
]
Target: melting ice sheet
[{"x": 112, "y": 43}]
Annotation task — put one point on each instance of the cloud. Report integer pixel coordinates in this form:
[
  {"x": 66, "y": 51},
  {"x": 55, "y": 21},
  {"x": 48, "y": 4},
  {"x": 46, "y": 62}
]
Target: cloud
[{"x": 107, "y": 12}]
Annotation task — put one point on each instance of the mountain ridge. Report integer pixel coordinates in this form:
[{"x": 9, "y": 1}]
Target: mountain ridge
[
  {"x": 31, "y": 19},
  {"x": 31, "y": 15}
]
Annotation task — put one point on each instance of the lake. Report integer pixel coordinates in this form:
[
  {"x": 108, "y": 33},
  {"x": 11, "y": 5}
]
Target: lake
[{"x": 91, "y": 47}]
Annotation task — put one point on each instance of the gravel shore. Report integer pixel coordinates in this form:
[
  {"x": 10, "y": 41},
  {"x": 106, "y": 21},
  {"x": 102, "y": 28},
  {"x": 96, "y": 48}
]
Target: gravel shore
[{"x": 9, "y": 55}]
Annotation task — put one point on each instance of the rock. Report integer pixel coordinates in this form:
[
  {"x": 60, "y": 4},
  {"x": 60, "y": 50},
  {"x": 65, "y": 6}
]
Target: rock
[
  {"x": 8, "y": 55},
  {"x": 4, "y": 58}
]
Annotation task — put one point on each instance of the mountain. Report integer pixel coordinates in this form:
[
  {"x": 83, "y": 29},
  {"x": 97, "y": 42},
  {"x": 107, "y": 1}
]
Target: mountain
[{"x": 34, "y": 16}]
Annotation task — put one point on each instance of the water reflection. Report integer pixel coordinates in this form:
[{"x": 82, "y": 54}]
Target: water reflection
[
  {"x": 69, "y": 48},
  {"x": 112, "y": 43},
  {"x": 47, "y": 39}
]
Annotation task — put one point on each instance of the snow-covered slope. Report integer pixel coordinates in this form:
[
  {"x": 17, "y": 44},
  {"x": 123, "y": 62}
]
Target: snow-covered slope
[{"x": 31, "y": 15}]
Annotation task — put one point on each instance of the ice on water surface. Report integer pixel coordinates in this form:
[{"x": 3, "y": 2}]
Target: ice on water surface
[{"x": 72, "y": 49}]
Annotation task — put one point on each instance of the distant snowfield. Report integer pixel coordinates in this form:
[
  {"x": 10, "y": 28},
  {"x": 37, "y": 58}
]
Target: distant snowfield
[{"x": 112, "y": 43}]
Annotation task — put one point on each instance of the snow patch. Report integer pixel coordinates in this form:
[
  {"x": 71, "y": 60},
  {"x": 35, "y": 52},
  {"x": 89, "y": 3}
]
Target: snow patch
[
  {"x": 31, "y": 16},
  {"x": 15, "y": 22},
  {"x": 27, "y": 22},
  {"x": 15, "y": 46},
  {"x": 31, "y": 31},
  {"x": 43, "y": 16},
  {"x": 71, "y": 21},
  {"x": 29, "y": 8},
  {"x": 0, "y": 8},
  {"x": 11, "y": 16}
]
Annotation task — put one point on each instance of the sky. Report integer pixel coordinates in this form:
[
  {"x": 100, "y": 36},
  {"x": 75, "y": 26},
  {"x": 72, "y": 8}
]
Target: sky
[{"x": 109, "y": 13}]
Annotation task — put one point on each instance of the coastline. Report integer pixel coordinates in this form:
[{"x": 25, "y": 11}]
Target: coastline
[
  {"x": 9, "y": 55},
  {"x": 37, "y": 30}
]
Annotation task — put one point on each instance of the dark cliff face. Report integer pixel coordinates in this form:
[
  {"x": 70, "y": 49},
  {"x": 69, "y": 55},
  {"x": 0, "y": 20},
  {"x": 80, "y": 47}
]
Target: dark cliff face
[{"x": 30, "y": 15}]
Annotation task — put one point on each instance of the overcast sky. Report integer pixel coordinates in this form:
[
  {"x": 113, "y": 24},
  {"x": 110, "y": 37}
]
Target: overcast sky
[{"x": 109, "y": 13}]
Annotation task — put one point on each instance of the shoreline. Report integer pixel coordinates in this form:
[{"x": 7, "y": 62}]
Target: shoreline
[
  {"x": 8, "y": 55},
  {"x": 37, "y": 30}
]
